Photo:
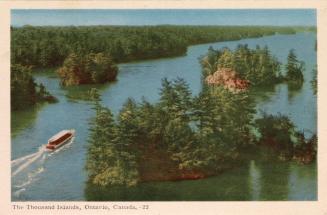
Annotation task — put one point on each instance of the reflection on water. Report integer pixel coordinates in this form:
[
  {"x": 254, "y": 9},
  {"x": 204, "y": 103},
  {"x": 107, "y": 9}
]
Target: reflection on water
[
  {"x": 22, "y": 119},
  {"x": 293, "y": 92},
  {"x": 256, "y": 180},
  {"x": 76, "y": 93},
  {"x": 274, "y": 180}
]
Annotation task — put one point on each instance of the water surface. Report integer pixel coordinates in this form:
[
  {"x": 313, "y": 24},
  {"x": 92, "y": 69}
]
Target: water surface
[{"x": 61, "y": 176}]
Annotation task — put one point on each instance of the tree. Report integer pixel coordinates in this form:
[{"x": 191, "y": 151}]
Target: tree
[
  {"x": 226, "y": 59},
  {"x": 87, "y": 69},
  {"x": 209, "y": 62},
  {"x": 277, "y": 132},
  {"x": 294, "y": 69},
  {"x": 256, "y": 66},
  {"x": 49, "y": 46},
  {"x": 314, "y": 83},
  {"x": 109, "y": 160},
  {"x": 280, "y": 134},
  {"x": 25, "y": 92},
  {"x": 102, "y": 68},
  {"x": 175, "y": 97}
]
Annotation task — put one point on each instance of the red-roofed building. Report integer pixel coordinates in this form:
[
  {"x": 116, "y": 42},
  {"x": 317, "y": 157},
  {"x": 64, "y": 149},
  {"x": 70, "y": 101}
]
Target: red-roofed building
[{"x": 229, "y": 79}]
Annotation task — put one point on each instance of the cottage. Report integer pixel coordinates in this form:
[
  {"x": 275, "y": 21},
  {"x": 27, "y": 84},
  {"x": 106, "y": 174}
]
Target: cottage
[{"x": 229, "y": 79}]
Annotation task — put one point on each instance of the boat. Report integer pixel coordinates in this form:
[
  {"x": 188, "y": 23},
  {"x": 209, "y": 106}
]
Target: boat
[{"x": 60, "y": 139}]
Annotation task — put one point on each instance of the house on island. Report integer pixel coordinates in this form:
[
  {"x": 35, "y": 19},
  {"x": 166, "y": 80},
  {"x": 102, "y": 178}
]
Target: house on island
[{"x": 229, "y": 79}]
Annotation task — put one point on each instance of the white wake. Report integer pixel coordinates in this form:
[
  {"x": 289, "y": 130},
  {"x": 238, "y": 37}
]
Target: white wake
[
  {"x": 24, "y": 170},
  {"x": 20, "y": 160},
  {"x": 29, "y": 159}
]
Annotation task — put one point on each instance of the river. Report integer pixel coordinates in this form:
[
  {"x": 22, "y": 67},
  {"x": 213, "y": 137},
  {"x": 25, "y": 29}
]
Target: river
[{"x": 61, "y": 176}]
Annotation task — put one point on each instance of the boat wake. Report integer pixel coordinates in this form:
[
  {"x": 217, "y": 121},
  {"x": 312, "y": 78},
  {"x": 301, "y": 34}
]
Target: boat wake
[
  {"x": 20, "y": 160},
  {"x": 26, "y": 161},
  {"x": 26, "y": 169}
]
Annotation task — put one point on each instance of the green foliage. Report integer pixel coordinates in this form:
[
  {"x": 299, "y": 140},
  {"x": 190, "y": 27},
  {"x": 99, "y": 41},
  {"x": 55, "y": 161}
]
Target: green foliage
[
  {"x": 255, "y": 65},
  {"x": 88, "y": 69},
  {"x": 50, "y": 46},
  {"x": 200, "y": 133},
  {"x": 94, "y": 95},
  {"x": 203, "y": 134},
  {"x": 294, "y": 69},
  {"x": 209, "y": 62},
  {"x": 276, "y": 132},
  {"x": 223, "y": 120},
  {"x": 279, "y": 133},
  {"x": 24, "y": 91},
  {"x": 305, "y": 151},
  {"x": 109, "y": 160},
  {"x": 314, "y": 83},
  {"x": 23, "y": 87}
]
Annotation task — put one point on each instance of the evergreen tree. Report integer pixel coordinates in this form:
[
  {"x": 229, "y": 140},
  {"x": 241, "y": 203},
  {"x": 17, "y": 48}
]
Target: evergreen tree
[
  {"x": 209, "y": 62},
  {"x": 25, "y": 92},
  {"x": 110, "y": 161},
  {"x": 102, "y": 163},
  {"x": 276, "y": 132},
  {"x": 254, "y": 65},
  {"x": 128, "y": 141},
  {"x": 294, "y": 68},
  {"x": 87, "y": 69},
  {"x": 314, "y": 83},
  {"x": 49, "y": 46}
]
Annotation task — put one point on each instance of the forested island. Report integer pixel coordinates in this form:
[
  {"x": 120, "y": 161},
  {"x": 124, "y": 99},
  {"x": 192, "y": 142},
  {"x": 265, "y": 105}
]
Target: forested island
[
  {"x": 24, "y": 91},
  {"x": 255, "y": 67},
  {"x": 184, "y": 137},
  {"x": 192, "y": 137},
  {"x": 49, "y": 46},
  {"x": 88, "y": 54},
  {"x": 88, "y": 69}
]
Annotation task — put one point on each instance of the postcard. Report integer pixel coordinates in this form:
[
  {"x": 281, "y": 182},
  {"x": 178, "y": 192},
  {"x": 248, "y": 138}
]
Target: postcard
[{"x": 152, "y": 107}]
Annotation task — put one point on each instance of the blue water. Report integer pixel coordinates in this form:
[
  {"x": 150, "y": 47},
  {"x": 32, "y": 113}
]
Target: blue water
[
  {"x": 61, "y": 176},
  {"x": 296, "y": 17}
]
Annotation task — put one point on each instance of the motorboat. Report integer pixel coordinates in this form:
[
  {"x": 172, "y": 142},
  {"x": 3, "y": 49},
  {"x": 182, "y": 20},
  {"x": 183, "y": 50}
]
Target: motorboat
[{"x": 60, "y": 139}]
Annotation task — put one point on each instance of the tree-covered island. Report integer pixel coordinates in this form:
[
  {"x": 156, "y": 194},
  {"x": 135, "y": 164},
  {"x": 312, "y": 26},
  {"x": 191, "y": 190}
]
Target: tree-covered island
[
  {"x": 245, "y": 67},
  {"x": 88, "y": 69},
  {"x": 184, "y": 137},
  {"x": 24, "y": 91},
  {"x": 191, "y": 137}
]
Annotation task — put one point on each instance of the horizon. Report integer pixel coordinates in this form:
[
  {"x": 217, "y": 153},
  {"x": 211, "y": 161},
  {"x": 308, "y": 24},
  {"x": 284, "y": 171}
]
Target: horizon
[
  {"x": 176, "y": 25},
  {"x": 161, "y": 17}
]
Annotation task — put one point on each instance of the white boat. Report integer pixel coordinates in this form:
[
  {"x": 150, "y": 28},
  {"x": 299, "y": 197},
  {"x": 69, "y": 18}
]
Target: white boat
[{"x": 60, "y": 139}]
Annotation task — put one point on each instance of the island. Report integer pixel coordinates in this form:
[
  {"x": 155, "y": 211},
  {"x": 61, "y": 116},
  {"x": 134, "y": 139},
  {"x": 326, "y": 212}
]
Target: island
[
  {"x": 88, "y": 69},
  {"x": 89, "y": 54},
  {"x": 25, "y": 92},
  {"x": 185, "y": 137}
]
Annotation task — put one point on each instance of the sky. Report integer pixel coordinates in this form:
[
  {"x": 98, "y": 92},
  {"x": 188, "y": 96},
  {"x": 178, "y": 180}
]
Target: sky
[{"x": 277, "y": 17}]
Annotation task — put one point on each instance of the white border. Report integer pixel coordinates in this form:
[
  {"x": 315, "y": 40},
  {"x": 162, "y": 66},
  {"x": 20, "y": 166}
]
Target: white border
[{"x": 288, "y": 207}]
